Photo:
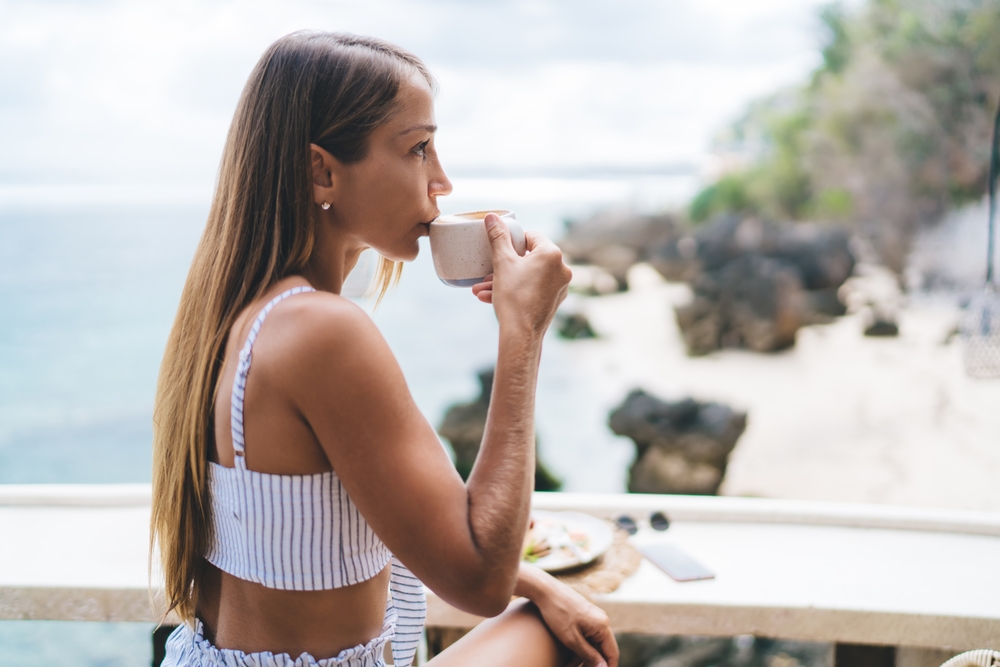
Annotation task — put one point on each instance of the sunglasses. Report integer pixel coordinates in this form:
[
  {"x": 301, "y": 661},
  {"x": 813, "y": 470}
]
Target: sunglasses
[{"x": 657, "y": 521}]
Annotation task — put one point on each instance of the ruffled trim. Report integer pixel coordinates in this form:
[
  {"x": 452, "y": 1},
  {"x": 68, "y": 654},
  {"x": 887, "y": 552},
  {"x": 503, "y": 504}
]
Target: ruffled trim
[{"x": 189, "y": 648}]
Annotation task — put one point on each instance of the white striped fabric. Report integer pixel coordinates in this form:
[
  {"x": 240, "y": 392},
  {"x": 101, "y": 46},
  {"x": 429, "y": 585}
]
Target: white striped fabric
[
  {"x": 301, "y": 532},
  {"x": 406, "y": 594}
]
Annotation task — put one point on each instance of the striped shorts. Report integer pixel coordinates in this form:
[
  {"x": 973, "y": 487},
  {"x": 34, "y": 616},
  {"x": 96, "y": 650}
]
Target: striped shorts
[{"x": 187, "y": 647}]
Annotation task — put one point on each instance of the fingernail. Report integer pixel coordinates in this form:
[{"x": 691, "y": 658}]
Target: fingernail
[{"x": 490, "y": 220}]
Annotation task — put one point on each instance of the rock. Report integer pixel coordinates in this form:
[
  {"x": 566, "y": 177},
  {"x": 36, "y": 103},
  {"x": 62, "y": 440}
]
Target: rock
[
  {"x": 681, "y": 447},
  {"x": 660, "y": 471},
  {"x": 741, "y": 651},
  {"x": 882, "y": 328},
  {"x": 463, "y": 427},
  {"x": 822, "y": 306},
  {"x": 640, "y": 650},
  {"x": 752, "y": 302},
  {"x": 694, "y": 652},
  {"x": 678, "y": 260},
  {"x": 573, "y": 326},
  {"x": 615, "y": 240},
  {"x": 874, "y": 293},
  {"x": 592, "y": 280},
  {"x": 821, "y": 253},
  {"x": 755, "y": 282}
]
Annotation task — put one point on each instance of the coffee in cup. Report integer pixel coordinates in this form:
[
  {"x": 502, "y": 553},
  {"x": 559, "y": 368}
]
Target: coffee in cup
[{"x": 461, "y": 249}]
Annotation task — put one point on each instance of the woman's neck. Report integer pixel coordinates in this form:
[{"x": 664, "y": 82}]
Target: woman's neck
[{"x": 332, "y": 259}]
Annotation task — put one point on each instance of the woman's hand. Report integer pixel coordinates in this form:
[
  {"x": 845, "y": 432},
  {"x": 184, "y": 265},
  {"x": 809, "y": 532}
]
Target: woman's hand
[
  {"x": 525, "y": 291},
  {"x": 580, "y": 625}
]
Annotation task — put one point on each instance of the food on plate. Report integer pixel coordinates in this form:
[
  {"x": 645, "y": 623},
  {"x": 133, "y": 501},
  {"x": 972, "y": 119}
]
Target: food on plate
[{"x": 550, "y": 539}]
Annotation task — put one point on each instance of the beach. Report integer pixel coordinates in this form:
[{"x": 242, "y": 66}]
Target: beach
[{"x": 837, "y": 417}]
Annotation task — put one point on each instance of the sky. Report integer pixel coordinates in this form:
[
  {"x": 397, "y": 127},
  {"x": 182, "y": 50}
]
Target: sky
[{"x": 137, "y": 93}]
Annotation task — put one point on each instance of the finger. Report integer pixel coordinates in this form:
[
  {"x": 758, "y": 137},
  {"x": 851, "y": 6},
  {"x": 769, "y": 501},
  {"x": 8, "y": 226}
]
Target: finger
[
  {"x": 499, "y": 236},
  {"x": 533, "y": 240},
  {"x": 608, "y": 645},
  {"x": 585, "y": 651},
  {"x": 485, "y": 285},
  {"x": 486, "y": 296}
]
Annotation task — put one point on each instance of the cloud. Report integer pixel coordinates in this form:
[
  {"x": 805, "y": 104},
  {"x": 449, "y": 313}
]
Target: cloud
[
  {"x": 608, "y": 114},
  {"x": 136, "y": 91}
]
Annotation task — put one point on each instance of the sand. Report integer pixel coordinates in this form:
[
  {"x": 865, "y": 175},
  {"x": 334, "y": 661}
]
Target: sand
[{"x": 838, "y": 417}]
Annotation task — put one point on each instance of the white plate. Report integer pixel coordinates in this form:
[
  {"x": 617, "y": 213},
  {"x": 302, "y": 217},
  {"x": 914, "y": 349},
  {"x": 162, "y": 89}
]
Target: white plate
[{"x": 597, "y": 531}]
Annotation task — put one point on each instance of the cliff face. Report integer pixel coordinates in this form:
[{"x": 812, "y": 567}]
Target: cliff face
[
  {"x": 754, "y": 282},
  {"x": 890, "y": 133}
]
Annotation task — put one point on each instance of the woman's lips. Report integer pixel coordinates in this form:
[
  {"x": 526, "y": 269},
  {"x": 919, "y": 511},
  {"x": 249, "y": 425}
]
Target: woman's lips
[{"x": 427, "y": 225}]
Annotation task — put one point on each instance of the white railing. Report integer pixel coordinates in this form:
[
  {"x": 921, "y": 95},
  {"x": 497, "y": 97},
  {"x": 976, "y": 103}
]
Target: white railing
[{"x": 862, "y": 574}]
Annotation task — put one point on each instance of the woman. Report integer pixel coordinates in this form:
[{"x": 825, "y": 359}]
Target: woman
[{"x": 286, "y": 501}]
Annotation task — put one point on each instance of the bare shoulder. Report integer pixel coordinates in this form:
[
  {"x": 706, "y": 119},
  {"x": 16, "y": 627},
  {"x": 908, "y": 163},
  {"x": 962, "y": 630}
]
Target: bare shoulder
[
  {"x": 321, "y": 323},
  {"x": 319, "y": 340},
  {"x": 334, "y": 368}
]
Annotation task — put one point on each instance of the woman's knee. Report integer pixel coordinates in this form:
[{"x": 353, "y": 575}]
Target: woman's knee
[
  {"x": 530, "y": 625},
  {"x": 518, "y": 636}
]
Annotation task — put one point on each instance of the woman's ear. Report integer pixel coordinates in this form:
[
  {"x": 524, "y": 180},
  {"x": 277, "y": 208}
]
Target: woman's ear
[{"x": 324, "y": 166}]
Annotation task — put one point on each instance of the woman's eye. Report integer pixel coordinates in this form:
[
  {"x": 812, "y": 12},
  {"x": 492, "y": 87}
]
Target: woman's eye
[{"x": 421, "y": 148}]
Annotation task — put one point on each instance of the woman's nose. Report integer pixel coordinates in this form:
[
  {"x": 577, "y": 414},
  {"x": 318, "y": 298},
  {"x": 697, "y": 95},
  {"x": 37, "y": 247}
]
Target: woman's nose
[{"x": 439, "y": 186}]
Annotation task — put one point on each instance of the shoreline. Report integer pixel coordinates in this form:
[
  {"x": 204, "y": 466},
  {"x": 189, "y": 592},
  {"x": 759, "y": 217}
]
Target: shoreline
[{"x": 838, "y": 417}]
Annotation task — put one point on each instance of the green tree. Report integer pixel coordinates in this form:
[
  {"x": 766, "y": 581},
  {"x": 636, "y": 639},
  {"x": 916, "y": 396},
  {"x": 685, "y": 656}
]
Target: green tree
[{"x": 889, "y": 132}]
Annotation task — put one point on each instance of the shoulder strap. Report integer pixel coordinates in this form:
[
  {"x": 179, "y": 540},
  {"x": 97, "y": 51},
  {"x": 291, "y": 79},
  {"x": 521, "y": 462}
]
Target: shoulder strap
[{"x": 243, "y": 369}]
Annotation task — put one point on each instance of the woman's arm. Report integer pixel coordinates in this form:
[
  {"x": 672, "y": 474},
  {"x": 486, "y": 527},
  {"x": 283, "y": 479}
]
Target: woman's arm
[{"x": 462, "y": 540}]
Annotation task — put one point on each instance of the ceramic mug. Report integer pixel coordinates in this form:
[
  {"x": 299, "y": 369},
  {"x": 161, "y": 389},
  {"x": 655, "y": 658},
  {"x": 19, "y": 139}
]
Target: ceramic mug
[{"x": 461, "y": 249}]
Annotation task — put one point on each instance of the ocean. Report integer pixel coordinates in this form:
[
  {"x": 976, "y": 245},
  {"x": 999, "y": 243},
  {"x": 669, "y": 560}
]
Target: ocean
[{"x": 87, "y": 297}]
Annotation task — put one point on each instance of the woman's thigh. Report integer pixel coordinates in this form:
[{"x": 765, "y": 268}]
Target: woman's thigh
[{"x": 518, "y": 637}]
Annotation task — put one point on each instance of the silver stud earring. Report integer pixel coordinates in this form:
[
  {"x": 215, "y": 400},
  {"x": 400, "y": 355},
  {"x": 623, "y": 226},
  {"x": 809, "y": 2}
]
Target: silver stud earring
[{"x": 325, "y": 206}]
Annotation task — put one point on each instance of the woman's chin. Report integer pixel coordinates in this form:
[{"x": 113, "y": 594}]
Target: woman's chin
[{"x": 403, "y": 254}]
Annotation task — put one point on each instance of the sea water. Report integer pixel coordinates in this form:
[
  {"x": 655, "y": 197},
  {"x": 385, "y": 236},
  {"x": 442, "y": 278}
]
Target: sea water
[
  {"x": 87, "y": 298},
  {"x": 88, "y": 295}
]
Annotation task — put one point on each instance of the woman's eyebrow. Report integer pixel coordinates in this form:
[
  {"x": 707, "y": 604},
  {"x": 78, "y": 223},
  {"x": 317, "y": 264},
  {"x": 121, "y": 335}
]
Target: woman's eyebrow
[{"x": 428, "y": 128}]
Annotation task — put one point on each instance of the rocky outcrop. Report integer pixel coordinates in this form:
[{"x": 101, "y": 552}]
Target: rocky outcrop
[
  {"x": 592, "y": 281},
  {"x": 755, "y": 283},
  {"x": 615, "y": 240},
  {"x": 681, "y": 447},
  {"x": 752, "y": 302},
  {"x": 463, "y": 427},
  {"x": 875, "y": 294},
  {"x": 743, "y": 651},
  {"x": 820, "y": 253},
  {"x": 573, "y": 326}
]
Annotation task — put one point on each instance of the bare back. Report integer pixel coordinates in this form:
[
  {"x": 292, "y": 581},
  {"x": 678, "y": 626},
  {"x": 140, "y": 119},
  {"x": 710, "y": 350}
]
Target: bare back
[
  {"x": 326, "y": 392},
  {"x": 245, "y": 615}
]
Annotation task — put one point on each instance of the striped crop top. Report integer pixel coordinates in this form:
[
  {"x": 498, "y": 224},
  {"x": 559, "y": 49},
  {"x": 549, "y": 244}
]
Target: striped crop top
[{"x": 301, "y": 532}]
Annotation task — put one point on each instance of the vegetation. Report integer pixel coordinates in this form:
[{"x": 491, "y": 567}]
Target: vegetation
[{"x": 890, "y": 132}]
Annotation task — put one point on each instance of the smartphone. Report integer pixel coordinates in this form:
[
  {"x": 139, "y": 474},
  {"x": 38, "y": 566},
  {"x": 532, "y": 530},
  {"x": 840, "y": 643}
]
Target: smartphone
[{"x": 672, "y": 560}]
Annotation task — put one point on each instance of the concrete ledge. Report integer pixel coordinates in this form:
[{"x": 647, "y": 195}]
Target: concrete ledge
[
  {"x": 858, "y": 574},
  {"x": 76, "y": 495},
  {"x": 841, "y": 626},
  {"x": 44, "y": 603},
  {"x": 725, "y": 509},
  {"x": 805, "y": 624},
  {"x": 679, "y": 508}
]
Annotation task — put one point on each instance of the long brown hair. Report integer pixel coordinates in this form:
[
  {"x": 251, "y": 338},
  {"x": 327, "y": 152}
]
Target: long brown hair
[{"x": 324, "y": 88}]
